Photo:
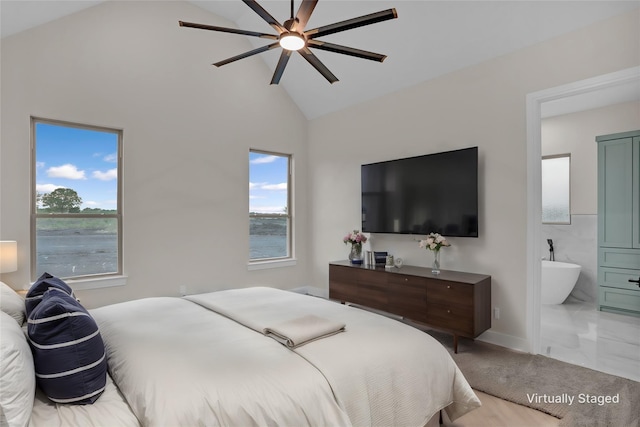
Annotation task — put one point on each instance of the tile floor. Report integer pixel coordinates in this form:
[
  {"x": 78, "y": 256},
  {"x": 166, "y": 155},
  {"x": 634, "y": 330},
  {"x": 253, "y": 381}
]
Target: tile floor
[{"x": 577, "y": 333}]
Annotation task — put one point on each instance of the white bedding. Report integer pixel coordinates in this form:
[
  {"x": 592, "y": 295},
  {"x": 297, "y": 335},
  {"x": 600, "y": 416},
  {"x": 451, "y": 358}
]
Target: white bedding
[
  {"x": 109, "y": 410},
  {"x": 179, "y": 364},
  {"x": 381, "y": 371}
]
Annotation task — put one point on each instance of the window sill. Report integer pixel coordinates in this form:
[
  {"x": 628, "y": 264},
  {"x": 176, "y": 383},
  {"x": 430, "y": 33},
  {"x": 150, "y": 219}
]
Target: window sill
[
  {"x": 262, "y": 265},
  {"x": 97, "y": 282}
]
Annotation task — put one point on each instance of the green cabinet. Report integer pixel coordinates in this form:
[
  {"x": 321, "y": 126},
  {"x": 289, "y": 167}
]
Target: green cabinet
[{"x": 619, "y": 222}]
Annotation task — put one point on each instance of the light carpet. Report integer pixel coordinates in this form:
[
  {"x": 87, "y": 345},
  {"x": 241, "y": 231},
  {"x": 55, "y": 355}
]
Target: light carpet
[{"x": 526, "y": 379}]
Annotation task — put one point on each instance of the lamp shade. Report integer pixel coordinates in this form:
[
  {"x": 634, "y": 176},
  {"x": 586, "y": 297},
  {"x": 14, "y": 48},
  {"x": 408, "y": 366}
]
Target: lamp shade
[{"x": 8, "y": 256}]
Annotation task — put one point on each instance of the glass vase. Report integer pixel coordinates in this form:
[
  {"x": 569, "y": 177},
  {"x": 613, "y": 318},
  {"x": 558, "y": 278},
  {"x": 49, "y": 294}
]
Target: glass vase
[
  {"x": 435, "y": 269},
  {"x": 355, "y": 255}
]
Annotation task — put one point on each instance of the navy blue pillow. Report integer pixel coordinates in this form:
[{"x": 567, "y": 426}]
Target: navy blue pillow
[
  {"x": 68, "y": 351},
  {"x": 42, "y": 285}
]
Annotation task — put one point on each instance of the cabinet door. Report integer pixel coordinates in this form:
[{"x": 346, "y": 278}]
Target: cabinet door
[
  {"x": 408, "y": 297},
  {"x": 615, "y": 193},
  {"x": 372, "y": 289},
  {"x": 342, "y": 283}
]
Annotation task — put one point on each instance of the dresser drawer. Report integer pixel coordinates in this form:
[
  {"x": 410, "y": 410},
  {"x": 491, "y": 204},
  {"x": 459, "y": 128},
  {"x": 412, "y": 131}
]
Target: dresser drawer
[
  {"x": 619, "y": 258},
  {"x": 622, "y": 299},
  {"x": 450, "y": 292},
  {"x": 618, "y": 278},
  {"x": 451, "y": 317}
]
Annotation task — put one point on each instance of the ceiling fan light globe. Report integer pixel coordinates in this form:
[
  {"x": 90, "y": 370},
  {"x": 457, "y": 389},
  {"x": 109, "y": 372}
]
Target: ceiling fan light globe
[{"x": 292, "y": 41}]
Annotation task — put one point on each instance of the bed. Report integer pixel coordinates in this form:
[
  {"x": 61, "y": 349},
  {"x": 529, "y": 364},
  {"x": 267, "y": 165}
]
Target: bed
[{"x": 262, "y": 356}]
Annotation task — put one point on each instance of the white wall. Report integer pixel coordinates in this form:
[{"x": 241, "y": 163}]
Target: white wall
[
  {"x": 575, "y": 134},
  {"x": 483, "y": 105},
  {"x": 188, "y": 128}
]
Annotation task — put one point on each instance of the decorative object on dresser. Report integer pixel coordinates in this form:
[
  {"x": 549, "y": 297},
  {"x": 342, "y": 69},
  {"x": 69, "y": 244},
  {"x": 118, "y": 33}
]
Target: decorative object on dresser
[
  {"x": 434, "y": 242},
  {"x": 619, "y": 222},
  {"x": 355, "y": 239},
  {"x": 454, "y": 302}
]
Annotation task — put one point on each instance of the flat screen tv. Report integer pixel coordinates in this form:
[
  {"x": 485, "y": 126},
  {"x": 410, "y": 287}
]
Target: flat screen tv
[{"x": 419, "y": 195}]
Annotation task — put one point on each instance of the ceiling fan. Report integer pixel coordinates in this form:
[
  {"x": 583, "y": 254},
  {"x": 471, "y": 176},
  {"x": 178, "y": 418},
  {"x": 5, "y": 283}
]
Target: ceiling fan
[{"x": 293, "y": 37}]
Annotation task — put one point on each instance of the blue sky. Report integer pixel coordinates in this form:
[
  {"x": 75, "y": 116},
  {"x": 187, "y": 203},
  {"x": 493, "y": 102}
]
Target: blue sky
[
  {"x": 267, "y": 183},
  {"x": 81, "y": 159}
]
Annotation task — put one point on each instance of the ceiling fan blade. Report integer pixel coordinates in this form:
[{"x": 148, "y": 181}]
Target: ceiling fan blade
[
  {"x": 228, "y": 30},
  {"x": 246, "y": 54},
  {"x": 352, "y": 23},
  {"x": 304, "y": 12},
  {"x": 359, "y": 53},
  {"x": 265, "y": 15},
  {"x": 282, "y": 63},
  {"x": 313, "y": 60}
]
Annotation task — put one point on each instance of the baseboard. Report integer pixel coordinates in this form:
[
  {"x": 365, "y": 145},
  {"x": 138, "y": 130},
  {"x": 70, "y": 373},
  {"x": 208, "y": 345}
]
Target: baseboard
[{"x": 504, "y": 340}]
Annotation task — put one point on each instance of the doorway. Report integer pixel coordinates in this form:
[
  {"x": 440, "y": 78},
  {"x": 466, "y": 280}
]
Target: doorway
[{"x": 590, "y": 93}]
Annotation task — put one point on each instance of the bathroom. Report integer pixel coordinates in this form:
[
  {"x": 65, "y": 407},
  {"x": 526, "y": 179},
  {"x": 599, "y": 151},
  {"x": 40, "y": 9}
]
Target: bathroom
[{"x": 576, "y": 331}]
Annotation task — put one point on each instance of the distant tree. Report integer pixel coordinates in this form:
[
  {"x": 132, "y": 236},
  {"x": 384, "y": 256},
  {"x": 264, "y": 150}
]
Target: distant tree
[{"x": 62, "y": 200}]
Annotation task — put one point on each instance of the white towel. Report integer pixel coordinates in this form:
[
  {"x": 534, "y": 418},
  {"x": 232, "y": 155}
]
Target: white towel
[{"x": 301, "y": 330}]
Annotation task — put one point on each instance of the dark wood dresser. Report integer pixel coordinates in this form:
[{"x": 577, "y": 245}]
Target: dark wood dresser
[{"x": 453, "y": 301}]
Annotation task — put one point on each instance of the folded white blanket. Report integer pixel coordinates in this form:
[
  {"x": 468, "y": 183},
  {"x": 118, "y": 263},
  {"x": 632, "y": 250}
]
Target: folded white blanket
[{"x": 301, "y": 330}]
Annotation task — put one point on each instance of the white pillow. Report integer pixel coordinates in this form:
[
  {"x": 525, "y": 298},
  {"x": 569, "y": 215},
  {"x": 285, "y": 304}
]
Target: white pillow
[
  {"x": 12, "y": 303},
  {"x": 17, "y": 375}
]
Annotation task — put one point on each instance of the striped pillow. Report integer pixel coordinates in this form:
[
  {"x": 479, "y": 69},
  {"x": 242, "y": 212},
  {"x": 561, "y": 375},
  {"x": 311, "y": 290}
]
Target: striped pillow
[
  {"x": 68, "y": 352},
  {"x": 42, "y": 285}
]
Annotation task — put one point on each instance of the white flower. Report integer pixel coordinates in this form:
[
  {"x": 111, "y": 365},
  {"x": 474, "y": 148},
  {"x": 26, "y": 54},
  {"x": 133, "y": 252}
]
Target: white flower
[{"x": 434, "y": 241}]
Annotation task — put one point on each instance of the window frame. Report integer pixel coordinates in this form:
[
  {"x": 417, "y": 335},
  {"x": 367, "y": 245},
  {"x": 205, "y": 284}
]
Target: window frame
[
  {"x": 551, "y": 157},
  {"x": 275, "y": 261},
  {"x": 34, "y": 208}
]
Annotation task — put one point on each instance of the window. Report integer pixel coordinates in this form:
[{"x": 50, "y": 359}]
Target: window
[
  {"x": 556, "y": 189},
  {"x": 270, "y": 213},
  {"x": 76, "y": 216}
]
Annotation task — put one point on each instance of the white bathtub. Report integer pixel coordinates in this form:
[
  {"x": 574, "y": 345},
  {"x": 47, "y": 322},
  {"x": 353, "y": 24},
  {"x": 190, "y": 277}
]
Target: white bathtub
[{"x": 558, "y": 280}]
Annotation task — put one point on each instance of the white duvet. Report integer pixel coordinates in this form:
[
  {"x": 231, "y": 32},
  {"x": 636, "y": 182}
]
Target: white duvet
[
  {"x": 178, "y": 362},
  {"x": 381, "y": 371}
]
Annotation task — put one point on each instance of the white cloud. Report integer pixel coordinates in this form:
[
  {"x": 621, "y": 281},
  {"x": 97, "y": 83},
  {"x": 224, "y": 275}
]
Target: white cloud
[
  {"x": 111, "y": 158},
  {"x": 264, "y": 159},
  {"x": 47, "y": 188},
  {"x": 267, "y": 186},
  {"x": 67, "y": 171},
  {"x": 277, "y": 187},
  {"x": 106, "y": 176}
]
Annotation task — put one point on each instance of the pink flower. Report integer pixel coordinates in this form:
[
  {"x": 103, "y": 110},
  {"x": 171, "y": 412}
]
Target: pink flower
[{"x": 354, "y": 238}]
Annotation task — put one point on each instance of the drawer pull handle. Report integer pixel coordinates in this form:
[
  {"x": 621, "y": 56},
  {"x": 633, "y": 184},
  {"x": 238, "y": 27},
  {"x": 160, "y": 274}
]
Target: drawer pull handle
[
  {"x": 449, "y": 311},
  {"x": 635, "y": 281},
  {"x": 448, "y": 286},
  {"x": 406, "y": 280}
]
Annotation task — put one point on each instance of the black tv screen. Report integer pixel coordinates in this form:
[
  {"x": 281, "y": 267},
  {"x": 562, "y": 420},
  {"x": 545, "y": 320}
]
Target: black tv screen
[{"x": 419, "y": 195}]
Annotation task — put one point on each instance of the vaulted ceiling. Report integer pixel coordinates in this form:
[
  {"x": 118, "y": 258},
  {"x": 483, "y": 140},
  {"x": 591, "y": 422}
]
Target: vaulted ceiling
[{"x": 429, "y": 38}]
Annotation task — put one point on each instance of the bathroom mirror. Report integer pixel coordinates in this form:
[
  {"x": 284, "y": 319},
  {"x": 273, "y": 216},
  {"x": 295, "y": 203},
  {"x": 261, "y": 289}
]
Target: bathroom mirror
[{"x": 556, "y": 189}]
